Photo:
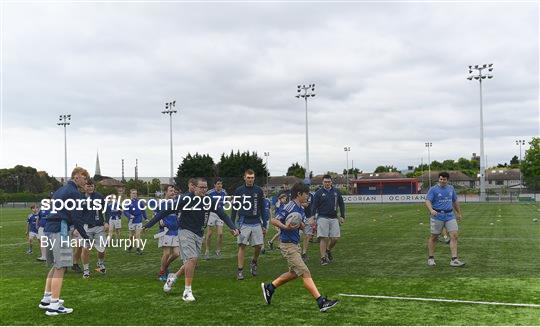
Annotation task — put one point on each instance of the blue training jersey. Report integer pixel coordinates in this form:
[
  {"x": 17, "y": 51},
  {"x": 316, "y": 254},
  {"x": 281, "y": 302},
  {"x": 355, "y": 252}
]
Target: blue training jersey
[
  {"x": 442, "y": 200},
  {"x": 43, "y": 217},
  {"x": 290, "y": 236},
  {"x": 32, "y": 222},
  {"x": 218, "y": 195}
]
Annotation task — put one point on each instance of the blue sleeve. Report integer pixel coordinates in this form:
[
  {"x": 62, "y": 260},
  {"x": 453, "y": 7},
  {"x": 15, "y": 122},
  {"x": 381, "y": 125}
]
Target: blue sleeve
[
  {"x": 315, "y": 204},
  {"x": 341, "y": 204},
  {"x": 454, "y": 195},
  {"x": 430, "y": 195},
  {"x": 266, "y": 213},
  {"x": 127, "y": 212},
  {"x": 233, "y": 211},
  {"x": 165, "y": 212}
]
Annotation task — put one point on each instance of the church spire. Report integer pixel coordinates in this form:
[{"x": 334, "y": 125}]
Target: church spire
[{"x": 98, "y": 169}]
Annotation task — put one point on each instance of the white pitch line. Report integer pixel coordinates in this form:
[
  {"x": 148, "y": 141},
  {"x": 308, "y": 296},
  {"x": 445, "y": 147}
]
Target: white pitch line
[{"x": 441, "y": 300}]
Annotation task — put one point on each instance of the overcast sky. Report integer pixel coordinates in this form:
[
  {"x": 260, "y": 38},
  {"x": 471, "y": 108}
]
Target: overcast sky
[{"x": 388, "y": 76}]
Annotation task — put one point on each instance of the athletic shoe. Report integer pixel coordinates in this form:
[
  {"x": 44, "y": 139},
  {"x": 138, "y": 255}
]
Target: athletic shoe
[
  {"x": 162, "y": 278},
  {"x": 171, "y": 279},
  {"x": 327, "y": 304},
  {"x": 457, "y": 263},
  {"x": 270, "y": 245},
  {"x": 76, "y": 268},
  {"x": 139, "y": 252},
  {"x": 304, "y": 257},
  {"x": 188, "y": 296},
  {"x": 263, "y": 251},
  {"x": 101, "y": 268},
  {"x": 240, "y": 275},
  {"x": 447, "y": 240},
  {"x": 218, "y": 253},
  {"x": 253, "y": 268},
  {"x": 61, "y": 310},
  {"x": 41, "y": 259},
  {"x": 329, "y": 255},
  {"x": 431, "y": 262},
  {"x": 29, "y": 251},
  {"x": 86, "y": 273},
  {"x": 267, "y": 293},
  {"x": 129, "y": 249},
  {"x": 206, "y": 256},
  {"x": 324, "y": 261},
  {"x": 45, "y": 305}
]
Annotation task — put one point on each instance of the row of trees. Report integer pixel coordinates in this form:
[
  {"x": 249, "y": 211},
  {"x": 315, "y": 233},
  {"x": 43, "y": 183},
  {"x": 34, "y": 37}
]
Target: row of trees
[{"x": 22, "y": 179}]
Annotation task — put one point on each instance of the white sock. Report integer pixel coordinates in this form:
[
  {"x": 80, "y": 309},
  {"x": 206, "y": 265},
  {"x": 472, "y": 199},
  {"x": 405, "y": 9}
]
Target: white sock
[
  {"x": 46, "y": 297},
  {"x": 54, "y": 304},
  {"x": 86, "y": 266},
  {"x": 100, "y": 261},
  {"x": 187, "y": 288}
]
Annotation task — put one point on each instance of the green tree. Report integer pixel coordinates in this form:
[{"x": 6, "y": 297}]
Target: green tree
[
  {"x": 154, "y": 186},
  {"x": 231, "y": 168},
  {"x": 193, "y": 166},
  {"x": 139, "y": 185},
  {"x": 531, "y": 165},
  {"x": 26, "y": 179},
  {"x": 514, "y": 162},
  {"x": 296, "y": 170},
  {"x": 385, "y": 169}
]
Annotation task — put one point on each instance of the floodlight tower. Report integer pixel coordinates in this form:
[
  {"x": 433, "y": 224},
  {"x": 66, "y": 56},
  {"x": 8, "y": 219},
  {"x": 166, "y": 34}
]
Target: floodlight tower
[
  {"x": 347, "y": 150},
  {"x": 266, "y": 155},
  {"x": 428, "y": 146},
  {"x": 170, "y": 111},
  {"x": 520, "y": 143},
  {"x": 478, "y": 73},
  {"x": 64, "y": 120},
  {"x": 305, "y": 92}
]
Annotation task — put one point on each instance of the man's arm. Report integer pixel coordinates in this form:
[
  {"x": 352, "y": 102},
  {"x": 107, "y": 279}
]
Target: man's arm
[
  {"x": 165, "y": 212},
  {"x": 264, "y": 213},
  {"x": 315, "y": 205},
  {"x": 457, "y": 208},
  {"x": 341, "y": 205},
  {"x": 226, "y": 219},
  {"x": 233, "y": 211},
  {"x": 430, "y": 208}
]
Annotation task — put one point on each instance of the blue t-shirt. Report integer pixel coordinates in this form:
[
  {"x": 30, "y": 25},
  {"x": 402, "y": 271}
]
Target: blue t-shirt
[
  {"x": 32, "y": 220},
  {"x": 290, "y": 236},
  {"x": 218, "y": 195},
  {"x": 43, "y": 217},
  {"x": 442, "y": 199}
]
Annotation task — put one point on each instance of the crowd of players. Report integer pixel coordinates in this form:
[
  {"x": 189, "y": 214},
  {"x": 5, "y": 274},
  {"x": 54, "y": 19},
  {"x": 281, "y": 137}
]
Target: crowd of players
[{"x": 186, "y": 226}]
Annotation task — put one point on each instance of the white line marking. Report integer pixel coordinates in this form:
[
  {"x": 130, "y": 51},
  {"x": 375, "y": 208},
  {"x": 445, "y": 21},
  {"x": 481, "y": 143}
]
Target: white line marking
[{"x": 441, "y": 300}]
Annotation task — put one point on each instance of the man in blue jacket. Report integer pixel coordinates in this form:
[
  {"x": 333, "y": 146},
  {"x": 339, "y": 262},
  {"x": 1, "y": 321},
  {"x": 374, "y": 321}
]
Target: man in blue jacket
[
  {"x": 248, "y": 203},
  {"x": 326, "y": 202},
  {"x": 94, "y": 225},
  {"x": 58, "y": 248}
]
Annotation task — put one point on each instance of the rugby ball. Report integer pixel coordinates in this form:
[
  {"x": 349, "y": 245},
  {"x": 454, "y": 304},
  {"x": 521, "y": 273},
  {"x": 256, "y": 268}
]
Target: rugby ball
[{"x": 293, "y": 219}]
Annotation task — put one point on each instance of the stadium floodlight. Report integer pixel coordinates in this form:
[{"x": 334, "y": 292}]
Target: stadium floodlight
[
  {"x": 266, "y": 155},
  {"x": 347, "y": 150},
  {"x": 520, "y": 143},
  {"x": 64, "y": 120},
  {"x": 428, "y": 146},
  {"x": 169, "y": 110},
  {"x": 305, "y": 92},
  {"x": 479, "y": 76}
]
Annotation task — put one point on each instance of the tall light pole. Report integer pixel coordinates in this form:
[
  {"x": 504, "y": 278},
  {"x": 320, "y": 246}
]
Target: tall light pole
[
  {"x": 478, "y": 73},
  {"x": 520, "y": 143},
  {"x": 266, "y": 155},
  {"x": 347, "y": 150},
  {"x": 170, "y": 111},
  {"x": 428, "y": 146},
  {"x": 305, "y": 92},
  {"x": 64, "y": 120}
]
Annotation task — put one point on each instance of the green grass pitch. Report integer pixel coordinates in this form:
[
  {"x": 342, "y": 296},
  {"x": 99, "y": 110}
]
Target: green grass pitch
[{"x": 382, "y": 252}]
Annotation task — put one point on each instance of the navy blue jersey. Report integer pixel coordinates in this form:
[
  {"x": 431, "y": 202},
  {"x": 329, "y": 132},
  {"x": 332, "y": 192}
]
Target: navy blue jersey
[
  {"x": 94, "y": 217},
  {"x": 32, "y": 222},
  {"x": 138, "y": 214},
  {"x": 256, "y": 214},
  {"x": 218, "y": 195},
  {"x": 42, "y": 221},
  {"x": 113, "y": 213},
  {"x": 326, "y": 203},
  {"x": 69, "y": 217}
]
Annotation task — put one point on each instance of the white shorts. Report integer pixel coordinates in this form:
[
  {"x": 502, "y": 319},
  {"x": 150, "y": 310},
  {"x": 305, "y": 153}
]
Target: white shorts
[
  {"x": 168, "y": 240},
  {"x": 115, "y": 223},
  {"x": 33, "y": 235},
  {"x": 41, "y": 232},
  {"x": 96, "y": 234},
  {"x": 134, "y": 226},
  {"x": 214, "y": 220}
]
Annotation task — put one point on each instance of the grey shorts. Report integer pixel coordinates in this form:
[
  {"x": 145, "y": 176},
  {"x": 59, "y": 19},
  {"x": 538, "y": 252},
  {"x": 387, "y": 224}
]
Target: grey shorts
[
  {"x": 436, "y": 225},
  {"x": 214, "y": 220},
  {"x": 168, "y": 240},
  {"x": 328, "y": 227},
  {"x": 308, "y": 230},
  {"x": 115, "y": 223},
  {"x": 96, "y": 234},
  {"x": 250, "y": 235},
  {"x": 59, "y": 254},
  {"x": 190, "y": 244},
  {"x": 134, "y": 226}
]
